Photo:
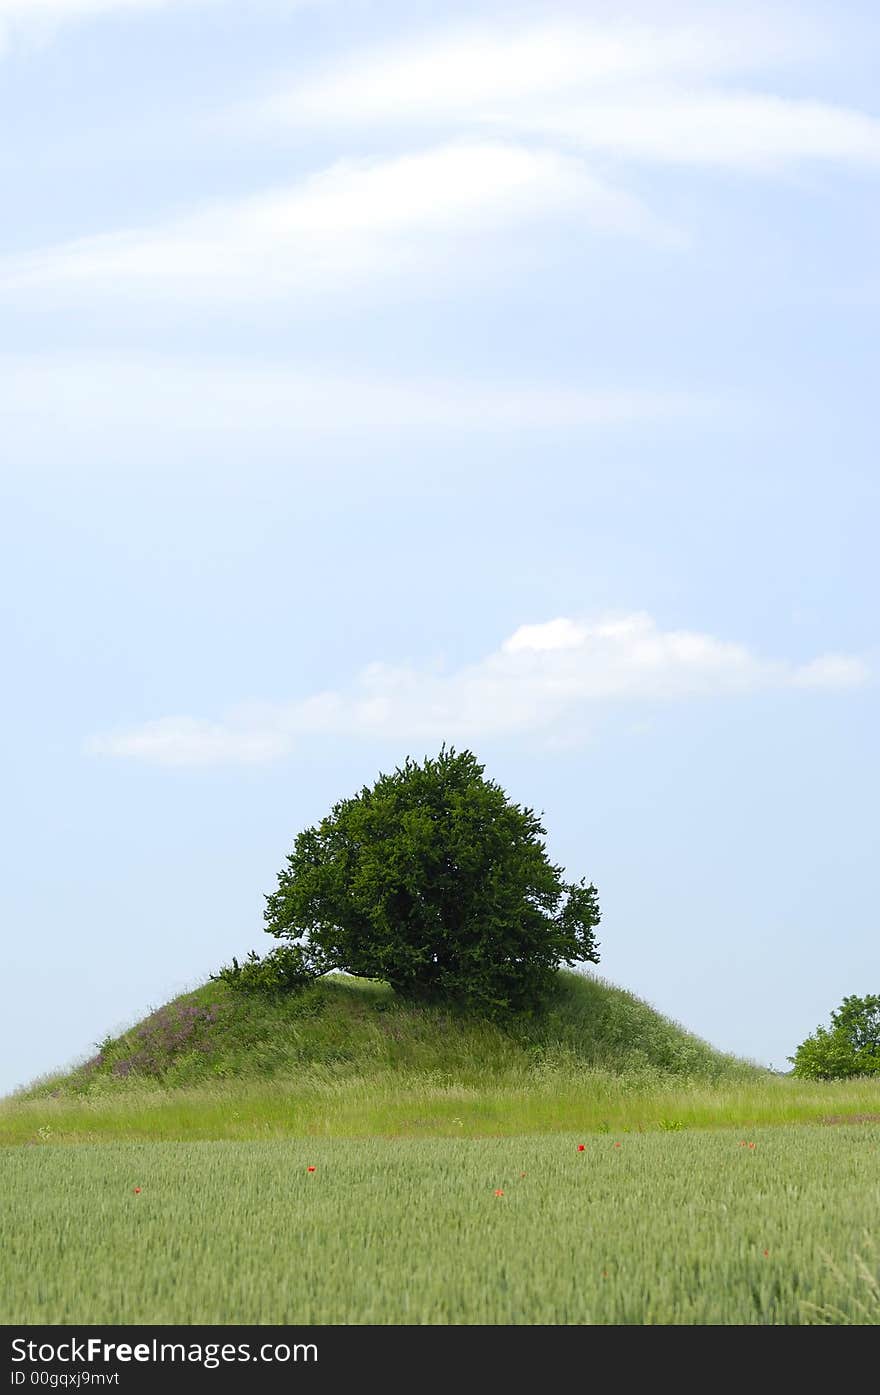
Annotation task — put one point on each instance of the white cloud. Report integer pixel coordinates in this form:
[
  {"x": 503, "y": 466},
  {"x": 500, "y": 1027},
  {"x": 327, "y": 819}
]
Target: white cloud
[
  {"x": 476, "y": 72},
  {"x": 34, "y": 10},
  {"x": 832, "y": 671},
  {"x": 187, "y": 741},
  {"x": 740, "y": 130},
  {"x": 357, "y": 220},
  {"x": 126, "y": 399},
  {"x": 637, "y": 91},
  {"x": 42, "y": 17},
  {"x": 39, "y": 20},
  {"x": 552, "y": 634},
  {"x": 542, "y": 677}
]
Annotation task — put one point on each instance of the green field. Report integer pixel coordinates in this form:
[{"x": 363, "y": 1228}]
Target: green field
[
  {"x": 674, "y": 1227},
  {"x": 414, "y": 1118}
]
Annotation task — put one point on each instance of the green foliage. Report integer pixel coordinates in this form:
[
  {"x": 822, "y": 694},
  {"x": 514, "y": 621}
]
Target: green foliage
[
  {"x": 281, "y": 971},
  {"x": 434, "y": 882},
  {"x": 851, "y": 1046}
]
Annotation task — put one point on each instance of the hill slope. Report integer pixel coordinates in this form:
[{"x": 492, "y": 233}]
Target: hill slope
[{"x": 342, "y": 1027}]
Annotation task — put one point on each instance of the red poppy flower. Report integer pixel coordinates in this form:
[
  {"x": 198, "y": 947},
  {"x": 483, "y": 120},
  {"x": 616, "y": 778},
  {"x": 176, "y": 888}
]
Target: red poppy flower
[
  {"x": 498, "y": 1191},
  {"x": 310, "y": 1169},
  {"x": 136, "y": 1190},
  {"x": 580, "y": 1147},
  {"x": 617, "y": 1145}
]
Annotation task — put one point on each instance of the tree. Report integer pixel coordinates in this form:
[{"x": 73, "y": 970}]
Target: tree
[
  {"x": 433, "y": 881},
  {"x": 850, "y": 1047}
]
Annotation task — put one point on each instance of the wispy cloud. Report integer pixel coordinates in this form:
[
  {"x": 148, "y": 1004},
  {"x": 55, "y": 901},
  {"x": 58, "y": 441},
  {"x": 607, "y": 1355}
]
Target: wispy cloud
[
  {"x": 831, "y": 671},
  {"x": 736, "y": 130},
  {"x": 29, "y": 20},
  {"x": 132, "y": 397},
  {"x": 40, "y": 19},
  {"x": 679, "y": 93},
  {"x": 34, "y": 10},
  {"x": 475, "y": 72},
  {"x": 355, "y": 221},
  {"x": 542, "y": 676}
]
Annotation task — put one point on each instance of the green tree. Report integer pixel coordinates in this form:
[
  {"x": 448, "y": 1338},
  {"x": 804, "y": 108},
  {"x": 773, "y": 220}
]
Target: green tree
[
  {"x": 433, "y": 881},
  {"x": 851, "y": 1046}
]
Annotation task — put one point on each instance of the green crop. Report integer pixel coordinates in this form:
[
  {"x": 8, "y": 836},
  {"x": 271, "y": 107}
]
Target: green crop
[{"x": 673, "y": 1226}]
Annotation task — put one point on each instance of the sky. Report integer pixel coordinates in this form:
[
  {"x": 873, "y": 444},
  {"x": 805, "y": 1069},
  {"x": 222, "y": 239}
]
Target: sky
[{"x": 374, "y": 375}]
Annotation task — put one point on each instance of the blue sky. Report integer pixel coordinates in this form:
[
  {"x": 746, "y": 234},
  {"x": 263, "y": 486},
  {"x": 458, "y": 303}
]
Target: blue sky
[{"x": 377, "y": 374}]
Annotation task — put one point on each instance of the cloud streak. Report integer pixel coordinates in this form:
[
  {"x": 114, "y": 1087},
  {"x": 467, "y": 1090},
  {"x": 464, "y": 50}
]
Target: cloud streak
[
  {"x": 352, "y": 222},
  {"x": 132, "y": 399},
  {"x": 743, "y": 131},
  {"x": 36, "y": 10},
  {"x": 472, "y": 73},
  {"x": 635, "y": 91},
  {"x": 541, "y": 677},
  {"x": 29, "y": 20}
]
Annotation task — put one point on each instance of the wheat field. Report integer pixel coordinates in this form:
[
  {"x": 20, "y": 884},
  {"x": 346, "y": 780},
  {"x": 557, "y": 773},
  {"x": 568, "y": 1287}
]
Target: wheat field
[{"x": 674, "y": 1226}]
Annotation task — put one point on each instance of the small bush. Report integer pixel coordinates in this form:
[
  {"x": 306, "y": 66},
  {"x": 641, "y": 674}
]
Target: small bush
[
  {"x": 281, "y": 971},
  {"x": 851, "y": 1046}
]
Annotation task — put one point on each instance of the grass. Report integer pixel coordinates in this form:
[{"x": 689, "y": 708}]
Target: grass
[
  {"x": 346, "y": 1059},
  {"x": 344, "y": 1026},
  {"x": 402, "y": 1107},
  {"x": 667, "y": 1227}
]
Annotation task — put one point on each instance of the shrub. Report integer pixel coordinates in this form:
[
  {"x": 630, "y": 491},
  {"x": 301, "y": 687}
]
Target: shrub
[
  {"x": 280, "y": 971},
  {"x": 433, "y": 881},
  {"x": 850, "y": 1047}
]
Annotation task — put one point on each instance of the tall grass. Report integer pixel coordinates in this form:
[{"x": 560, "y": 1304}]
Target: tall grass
[
  {"x": 419, "y": 1106},
  {"x": 348, "y": 1059}
]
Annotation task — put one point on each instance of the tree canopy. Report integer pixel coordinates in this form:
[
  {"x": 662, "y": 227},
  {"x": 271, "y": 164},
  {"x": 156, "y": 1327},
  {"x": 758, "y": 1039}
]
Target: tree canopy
[{"x": 434, "y": 881}]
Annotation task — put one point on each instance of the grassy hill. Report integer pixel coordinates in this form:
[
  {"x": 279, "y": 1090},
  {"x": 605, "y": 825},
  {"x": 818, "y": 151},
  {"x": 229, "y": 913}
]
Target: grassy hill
[
  {"x": 341, "y": 1026},
  {"x": 346, "y": 1058}
]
